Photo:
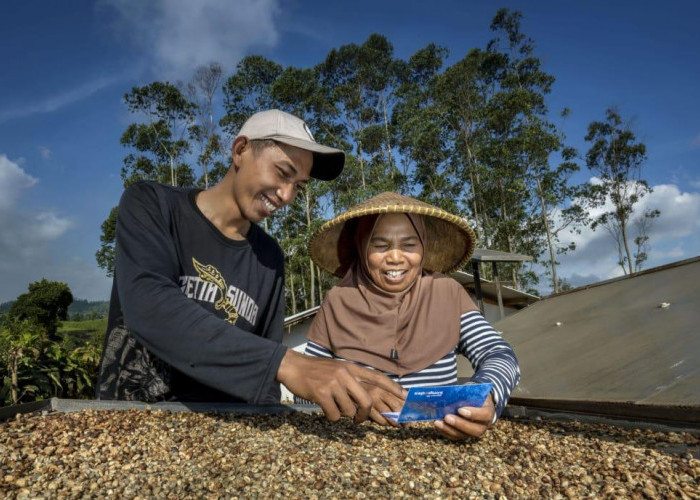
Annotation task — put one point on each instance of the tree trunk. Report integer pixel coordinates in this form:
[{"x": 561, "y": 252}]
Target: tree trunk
[
  {"x": 623, "y": 229},
  {"x": 14, "y": 369},
  {"x": 362, "y": 168},
  {"x": 307, "y": 205},
  {"x": 386, "y": 131},
  {"x": 312, "y": 275},
  {"x": 627, "y": 249},
  {"x": 294, "y": 296},
  {"x": 545, "y": 221}
]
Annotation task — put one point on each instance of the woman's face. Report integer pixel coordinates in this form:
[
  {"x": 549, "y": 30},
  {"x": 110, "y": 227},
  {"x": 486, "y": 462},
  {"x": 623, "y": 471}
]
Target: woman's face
[{"x": 394, "y": 253}]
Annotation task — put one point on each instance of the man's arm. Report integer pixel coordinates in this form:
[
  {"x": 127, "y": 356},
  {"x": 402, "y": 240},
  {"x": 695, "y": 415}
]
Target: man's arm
[{"x": 176, "y": 329}]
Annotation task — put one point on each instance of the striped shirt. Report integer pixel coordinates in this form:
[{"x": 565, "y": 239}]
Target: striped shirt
[{"x": 491, "y": 357}]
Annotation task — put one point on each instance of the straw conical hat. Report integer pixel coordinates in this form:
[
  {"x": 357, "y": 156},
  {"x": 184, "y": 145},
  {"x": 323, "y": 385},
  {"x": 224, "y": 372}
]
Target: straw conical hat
[{"x": 450, "y": 238}]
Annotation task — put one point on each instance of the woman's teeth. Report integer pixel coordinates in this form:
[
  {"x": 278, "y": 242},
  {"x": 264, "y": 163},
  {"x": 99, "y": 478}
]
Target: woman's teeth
[{"x": 394, "y": 274}]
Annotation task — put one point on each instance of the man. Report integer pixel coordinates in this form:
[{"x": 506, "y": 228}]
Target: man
[{"x": 197, "y": 304}]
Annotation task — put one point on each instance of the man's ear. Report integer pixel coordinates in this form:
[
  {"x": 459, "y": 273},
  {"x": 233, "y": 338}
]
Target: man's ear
[{"x": 240, "y": 144}]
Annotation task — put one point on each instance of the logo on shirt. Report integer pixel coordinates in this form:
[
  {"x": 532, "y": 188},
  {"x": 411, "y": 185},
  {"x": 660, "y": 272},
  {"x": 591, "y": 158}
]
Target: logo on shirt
[
  {"x": 210, "y": 286},
  {"x": 210, "y": 274}
]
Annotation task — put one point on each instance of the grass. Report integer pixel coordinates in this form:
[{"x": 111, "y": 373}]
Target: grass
[
  {"x": 88, "y": 325},
  {"x": 84, "y": 331}
]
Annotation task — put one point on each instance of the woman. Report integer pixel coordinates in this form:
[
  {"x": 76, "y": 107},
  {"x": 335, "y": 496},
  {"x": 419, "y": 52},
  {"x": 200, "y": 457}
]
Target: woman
[{"x": 394, "y": 311}]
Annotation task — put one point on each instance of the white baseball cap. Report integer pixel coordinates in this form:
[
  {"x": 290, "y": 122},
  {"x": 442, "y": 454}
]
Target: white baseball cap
[{"x": 288, "y": 129}]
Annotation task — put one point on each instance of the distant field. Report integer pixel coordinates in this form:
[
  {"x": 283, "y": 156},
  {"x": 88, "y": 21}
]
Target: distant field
[
  {"x": 90, "y": 329},
  {"x": 86, "y": 325}
]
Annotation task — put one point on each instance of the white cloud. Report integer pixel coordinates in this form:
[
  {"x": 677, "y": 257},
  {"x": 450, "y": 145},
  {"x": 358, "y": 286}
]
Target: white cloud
[
  {"x": 44, "y": 152},
  {"x": 673, "y": 236},
  {"x": 57, "y": 101},
  {"x": 48, "y": 226},
  {"x": 680, "y": 212},
  {"x": 179, "y": 35},
  {"x": 13, "y": 182},
  {"x": 25, "y": 236}
]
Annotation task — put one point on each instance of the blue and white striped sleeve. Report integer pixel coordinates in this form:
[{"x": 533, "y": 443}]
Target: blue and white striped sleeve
[
  {"x": 316, "y": 351},
  {"x": 491, "y": 357}
]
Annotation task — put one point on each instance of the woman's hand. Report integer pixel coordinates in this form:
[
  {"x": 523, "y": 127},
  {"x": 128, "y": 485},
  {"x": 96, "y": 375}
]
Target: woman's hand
[{"x": 470, "y": 422}]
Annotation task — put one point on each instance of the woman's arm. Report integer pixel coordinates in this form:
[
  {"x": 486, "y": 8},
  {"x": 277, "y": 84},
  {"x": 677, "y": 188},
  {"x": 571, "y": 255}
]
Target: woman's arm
[
  {"x": 493, "y": 361},
  {"x": 491, "y": 357}
]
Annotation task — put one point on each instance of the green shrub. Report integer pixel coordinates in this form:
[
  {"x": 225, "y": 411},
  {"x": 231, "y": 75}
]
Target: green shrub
[{"x": 33, "y": 366}]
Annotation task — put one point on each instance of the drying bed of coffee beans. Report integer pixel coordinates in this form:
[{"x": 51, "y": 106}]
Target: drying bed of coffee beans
[{"x": 147, "y": 454}]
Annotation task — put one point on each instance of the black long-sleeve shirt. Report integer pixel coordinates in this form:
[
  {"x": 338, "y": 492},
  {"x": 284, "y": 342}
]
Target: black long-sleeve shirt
[{"x": 194, "y": 315}]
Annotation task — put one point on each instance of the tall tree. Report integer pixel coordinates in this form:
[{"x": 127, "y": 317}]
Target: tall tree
[
  {"x": 520, "y": 186},
  {"x": 420, "y": 122},
  {"x": 359, "y": 82},
  {"x": 160, "y": 142},
  {"x": 201, "y": 91},
  {"x": 616, "y": 158}
]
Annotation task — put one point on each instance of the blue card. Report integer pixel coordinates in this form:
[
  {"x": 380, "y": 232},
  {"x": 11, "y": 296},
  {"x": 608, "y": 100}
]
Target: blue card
[{"x": 434, "y": 403}]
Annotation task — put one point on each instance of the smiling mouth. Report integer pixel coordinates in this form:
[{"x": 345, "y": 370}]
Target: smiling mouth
[
  {"x": 394, "y": 275},
  {"x": 271, "y": 207}
]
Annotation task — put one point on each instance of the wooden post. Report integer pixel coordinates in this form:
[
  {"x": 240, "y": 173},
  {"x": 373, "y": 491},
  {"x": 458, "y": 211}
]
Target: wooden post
[
  {"x": 498, "y": 289},
  {"x": 477, "y": 287}
]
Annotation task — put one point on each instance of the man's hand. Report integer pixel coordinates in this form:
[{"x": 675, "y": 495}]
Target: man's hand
[
  {"x": 384, "y": 401},
  {"x": 470, "y": 422},
  {"x": 340, "y": 388}
]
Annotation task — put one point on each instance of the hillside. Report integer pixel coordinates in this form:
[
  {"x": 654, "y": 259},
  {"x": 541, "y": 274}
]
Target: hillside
[{"x": 80, "y": 309}]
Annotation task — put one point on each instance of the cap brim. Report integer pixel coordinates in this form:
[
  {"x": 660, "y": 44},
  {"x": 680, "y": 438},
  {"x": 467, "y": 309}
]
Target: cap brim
[{"x": 328, "y": 162}]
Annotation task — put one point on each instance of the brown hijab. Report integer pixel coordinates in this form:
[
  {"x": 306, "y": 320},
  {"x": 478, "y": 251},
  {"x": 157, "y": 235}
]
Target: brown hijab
[{"x": 399, "y": 333}]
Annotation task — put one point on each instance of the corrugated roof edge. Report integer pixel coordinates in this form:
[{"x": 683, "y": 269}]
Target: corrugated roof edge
[
  {"x": 73, "y": 405},
  {"x": 298, "y": 317},
  {"x": 628, "y": 276}
]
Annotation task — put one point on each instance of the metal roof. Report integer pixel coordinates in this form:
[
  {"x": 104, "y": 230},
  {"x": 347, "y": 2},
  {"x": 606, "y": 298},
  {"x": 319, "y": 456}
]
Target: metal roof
[
  {"x": 511, "y": 296},
  {"x": 633, "y": 339},
  {"x": 484, "y": 255}
]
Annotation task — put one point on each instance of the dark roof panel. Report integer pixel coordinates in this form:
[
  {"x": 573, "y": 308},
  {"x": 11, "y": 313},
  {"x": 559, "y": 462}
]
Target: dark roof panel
[{"x": 635, "y": 338}]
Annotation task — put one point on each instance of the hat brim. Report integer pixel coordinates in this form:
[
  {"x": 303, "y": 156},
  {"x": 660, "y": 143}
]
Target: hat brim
[
  {"x": 450, "y": 239},
  {"x": 328, "y": 162}
]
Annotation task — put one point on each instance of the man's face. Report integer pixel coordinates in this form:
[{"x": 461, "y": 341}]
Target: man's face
[
  {"x": 394, "y": 253},
  {"x": 269, "y": 179}
]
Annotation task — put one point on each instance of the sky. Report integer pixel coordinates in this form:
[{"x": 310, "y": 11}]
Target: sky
[{"x": 66, "y": 66}]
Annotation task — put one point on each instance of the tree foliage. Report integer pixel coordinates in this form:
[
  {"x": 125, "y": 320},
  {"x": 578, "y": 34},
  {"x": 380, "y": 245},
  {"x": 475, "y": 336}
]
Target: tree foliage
[
  {"x": 617, "y": 158},
  {"x": 474, "y": 137},
  {"x": 46, "y": 303}
]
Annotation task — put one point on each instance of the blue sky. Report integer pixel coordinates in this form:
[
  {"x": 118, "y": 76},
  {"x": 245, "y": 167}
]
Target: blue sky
[{"x": 66, "y": 66}]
